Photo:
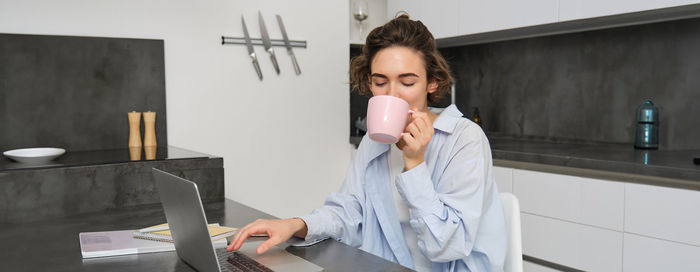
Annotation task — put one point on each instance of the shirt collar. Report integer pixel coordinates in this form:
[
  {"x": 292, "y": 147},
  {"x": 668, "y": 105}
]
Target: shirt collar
[{"x": 447, "y": 120}]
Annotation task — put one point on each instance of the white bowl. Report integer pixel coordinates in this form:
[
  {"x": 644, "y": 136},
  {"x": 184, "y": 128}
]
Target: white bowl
[{"x": 34, "y": 155}]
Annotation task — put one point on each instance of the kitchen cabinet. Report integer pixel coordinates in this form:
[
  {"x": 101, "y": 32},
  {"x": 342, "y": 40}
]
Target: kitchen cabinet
[
  {"x": 649, "y": 254},
  {"x": 663, "y": 213},
  {"x": 451, "y": 18},
  {"x": 600, "y": 225},
  {"x": 440, "y": 16},
  {"x": 576, "y": 199},
  {"x": 570, "y": 244},
  {"x": 569, "y": 220},
  {"x": 581, "y": 9},
  {"x": 533, "y": 267},
  {"x": 485, "y": 16}
]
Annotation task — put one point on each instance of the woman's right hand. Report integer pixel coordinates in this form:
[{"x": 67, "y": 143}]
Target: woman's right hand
[{"x": 279, "y": 230}]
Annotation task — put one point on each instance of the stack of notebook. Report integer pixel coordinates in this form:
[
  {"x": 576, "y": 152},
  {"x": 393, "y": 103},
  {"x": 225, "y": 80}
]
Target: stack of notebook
[
  {"x": 152, "y": 239},
  {"x": 162, "y": 232}
]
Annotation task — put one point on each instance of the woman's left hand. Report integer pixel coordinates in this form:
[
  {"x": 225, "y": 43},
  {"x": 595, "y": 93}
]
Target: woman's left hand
[{"x": 416, "y": 138}]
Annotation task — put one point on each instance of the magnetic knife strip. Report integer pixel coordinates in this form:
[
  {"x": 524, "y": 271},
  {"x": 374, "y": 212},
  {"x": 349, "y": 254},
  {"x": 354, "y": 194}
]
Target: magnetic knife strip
[
  {"x": 267, "y": 43},
  {"x": 254, "y": 41}
]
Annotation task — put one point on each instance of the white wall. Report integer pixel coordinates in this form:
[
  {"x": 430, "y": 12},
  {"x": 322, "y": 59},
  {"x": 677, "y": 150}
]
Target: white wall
[{"x": 284, "y": 140}]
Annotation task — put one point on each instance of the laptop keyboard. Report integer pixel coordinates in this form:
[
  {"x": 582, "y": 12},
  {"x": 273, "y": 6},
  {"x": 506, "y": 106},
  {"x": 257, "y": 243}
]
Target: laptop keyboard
[{"x": 234, "y": 261}]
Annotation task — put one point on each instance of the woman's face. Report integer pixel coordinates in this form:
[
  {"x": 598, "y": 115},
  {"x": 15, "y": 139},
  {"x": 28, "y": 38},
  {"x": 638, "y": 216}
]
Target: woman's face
[{"x": 399, "y": 71}]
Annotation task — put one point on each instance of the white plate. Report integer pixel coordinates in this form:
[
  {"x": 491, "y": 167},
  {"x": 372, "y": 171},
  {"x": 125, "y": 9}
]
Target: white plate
[{"x": 34, "y": 155}]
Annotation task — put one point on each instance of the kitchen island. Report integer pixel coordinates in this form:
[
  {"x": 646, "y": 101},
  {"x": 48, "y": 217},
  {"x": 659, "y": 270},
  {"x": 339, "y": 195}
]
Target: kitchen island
[{"x": 99, "y": 180}]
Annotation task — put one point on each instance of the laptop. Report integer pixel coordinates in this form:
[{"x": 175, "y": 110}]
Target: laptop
[{"x": 188, "y": 225}]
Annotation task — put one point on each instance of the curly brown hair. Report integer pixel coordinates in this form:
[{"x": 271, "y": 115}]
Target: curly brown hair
[{"x": 402, "y": 31}]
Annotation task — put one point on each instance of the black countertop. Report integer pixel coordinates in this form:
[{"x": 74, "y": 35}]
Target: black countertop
[
  {"x": 53, "y": 244},
  {"x": 96, "y": 157},
  {"x": 671, "y": 168},
  {"x": 619, "y": 162}
]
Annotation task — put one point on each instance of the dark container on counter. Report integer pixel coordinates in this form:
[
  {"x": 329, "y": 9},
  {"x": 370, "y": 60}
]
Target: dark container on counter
[
  {"x": 646, "y": 134},
  {"x": 475, "y": 116}
]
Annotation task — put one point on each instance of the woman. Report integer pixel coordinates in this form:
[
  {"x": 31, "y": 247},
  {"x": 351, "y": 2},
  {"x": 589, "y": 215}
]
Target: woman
[{"x": 428, "y": 202}]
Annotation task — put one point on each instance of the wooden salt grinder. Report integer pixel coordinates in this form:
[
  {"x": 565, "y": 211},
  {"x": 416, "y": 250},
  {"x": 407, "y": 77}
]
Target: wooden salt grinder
[{"x": 149, "y": 135}]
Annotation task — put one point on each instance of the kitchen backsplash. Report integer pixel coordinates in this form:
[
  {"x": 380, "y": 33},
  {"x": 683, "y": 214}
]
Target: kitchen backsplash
[
  {"x": 585, "y": 86},
  {"x": 75, "y": 92}
]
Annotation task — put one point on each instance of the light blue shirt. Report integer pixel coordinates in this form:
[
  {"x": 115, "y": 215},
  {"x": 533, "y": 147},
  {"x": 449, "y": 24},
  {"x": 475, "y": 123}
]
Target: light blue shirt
[{"x": 454, "y": 205}]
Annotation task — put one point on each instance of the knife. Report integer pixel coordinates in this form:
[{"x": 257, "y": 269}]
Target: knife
[
  {"x": 267, "y": 43},
  {"x": 251, "y": 51},
  {"x": 288, "y": 45}
]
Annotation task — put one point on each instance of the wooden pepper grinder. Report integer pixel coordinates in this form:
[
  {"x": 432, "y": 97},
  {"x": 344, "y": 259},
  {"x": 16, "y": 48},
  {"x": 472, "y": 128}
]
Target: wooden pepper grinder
[
  {"x": 134, "y": 135},
  {"x": 149, "y": 135}
]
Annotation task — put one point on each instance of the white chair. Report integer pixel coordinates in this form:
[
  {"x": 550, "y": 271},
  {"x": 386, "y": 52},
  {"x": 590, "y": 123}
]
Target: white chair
[{"x": 514, "y": 253}]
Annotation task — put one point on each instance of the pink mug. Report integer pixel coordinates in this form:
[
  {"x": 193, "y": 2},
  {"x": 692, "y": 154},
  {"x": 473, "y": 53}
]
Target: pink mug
[{"x": 386, "y": 118}]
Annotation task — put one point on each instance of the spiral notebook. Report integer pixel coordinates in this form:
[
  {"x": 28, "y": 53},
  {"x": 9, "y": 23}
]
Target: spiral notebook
[
  {"x": 162, "y": 232},
  {"x": 152, "y": 239},
  {"x": 122, "y": 242}
]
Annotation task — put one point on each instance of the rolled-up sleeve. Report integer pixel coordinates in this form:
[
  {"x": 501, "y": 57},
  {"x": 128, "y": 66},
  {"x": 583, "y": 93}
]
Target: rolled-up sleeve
[
  {"x": 446, "y": 214},
  {"x": 340, "y": 217}
]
